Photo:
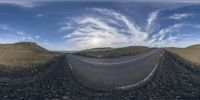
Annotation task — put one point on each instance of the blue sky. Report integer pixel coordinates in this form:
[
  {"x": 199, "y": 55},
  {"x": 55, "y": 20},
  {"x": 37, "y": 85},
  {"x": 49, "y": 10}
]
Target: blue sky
[{"x": 80, "y": 24}]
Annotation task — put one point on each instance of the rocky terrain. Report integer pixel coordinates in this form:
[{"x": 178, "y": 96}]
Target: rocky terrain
[{"x": 174, "y": 79}]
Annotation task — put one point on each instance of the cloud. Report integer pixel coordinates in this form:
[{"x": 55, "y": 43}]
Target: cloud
[
  {"x": 40, "y": 15},
  {"x": 163, "y": 1},
  {"x": 22, "y": 3},
  {"x": 103, "y": 29},
  {"x": 33, "y": 3},
  {"x": 20, "y": 36},
  {"x": 100, "y": 27},
  {"x": 151, "y": 19},
  {"x": 193, "y": 25},
  {"x": 4, "y": 27},
  {"x": 180, "y": 16},
  {"x": 11, "y": 35},
  {"x": 26, "y": 3},
  {"x": 167, "y": 36}
]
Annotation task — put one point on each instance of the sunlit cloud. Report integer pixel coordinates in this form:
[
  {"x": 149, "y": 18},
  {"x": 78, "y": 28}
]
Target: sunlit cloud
[
  {"x": 108, "y": 28},
  {"x": 102, "y": 30},
  {"x": 82, "y": 26}
]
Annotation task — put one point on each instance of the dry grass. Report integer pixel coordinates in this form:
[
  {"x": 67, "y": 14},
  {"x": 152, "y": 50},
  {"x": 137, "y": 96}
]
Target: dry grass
[
  {"x": 190, "y": 54},
  {"x": 117, "y": 52},
  {"x": 24, "y": 55}
]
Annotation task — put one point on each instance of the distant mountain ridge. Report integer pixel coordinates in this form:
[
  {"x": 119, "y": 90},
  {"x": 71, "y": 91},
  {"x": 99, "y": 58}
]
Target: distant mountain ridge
[
  {"x": 100, "y": 49},
  {"x": 114, "y": 52}
]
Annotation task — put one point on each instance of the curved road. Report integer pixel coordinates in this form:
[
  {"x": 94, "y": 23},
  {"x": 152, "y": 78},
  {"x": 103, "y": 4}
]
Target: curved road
[{"x": 120, "y": 73}]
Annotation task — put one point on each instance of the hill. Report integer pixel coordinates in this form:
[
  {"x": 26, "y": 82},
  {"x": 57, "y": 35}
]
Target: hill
[
  {"x": 197, "y": 46},
  {"x": 115, "y": 52},
  {"x": 23, "y": 46},
  {"x": 24, "y": 55},
  {"x": 190, "y": 53}
]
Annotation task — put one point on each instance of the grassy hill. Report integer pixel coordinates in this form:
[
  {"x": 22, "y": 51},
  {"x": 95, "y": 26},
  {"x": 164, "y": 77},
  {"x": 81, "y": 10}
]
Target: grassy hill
[
  {"x": 115, "y": 52},
  {"x": 191, "y": 53},
  {"x": 24, "y": 55},
  {"x": 197, "y": 46}
]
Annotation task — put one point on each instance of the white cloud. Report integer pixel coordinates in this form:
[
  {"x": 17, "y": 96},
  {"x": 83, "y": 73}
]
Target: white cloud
[
  {"x": 25, "y": 37},
  {"x": 40, "y": 15},
  {"x": 193, "y": 25},
  {"x": 100, "y": 27},
  {"x": 23, "y": 3},
  {"x": 132, "y": 28},
  {"x": 180, "y": 16},
  {"x": 167, "y": 37},
  {"x": 45, "y": 43},
  {"x": 26, "y": 3},
  {"x": 102, "y": 30},
  {"x": 151, "y": 19},
  {"x": 4, "y": 27},
  {"x": 11, "y": 35},
  {"x": 33, "y": 3}
]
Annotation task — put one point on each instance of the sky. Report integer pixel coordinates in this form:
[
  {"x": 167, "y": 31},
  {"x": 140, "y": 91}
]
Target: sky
[{"x": 82, "y": 24}]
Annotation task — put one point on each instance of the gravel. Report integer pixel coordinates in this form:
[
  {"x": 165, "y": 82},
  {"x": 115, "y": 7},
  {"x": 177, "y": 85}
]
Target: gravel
[{"x": 174, "y": 79}]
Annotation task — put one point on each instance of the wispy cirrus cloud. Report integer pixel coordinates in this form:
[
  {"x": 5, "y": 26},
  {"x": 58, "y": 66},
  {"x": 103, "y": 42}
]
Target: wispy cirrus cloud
[
  {"x": 11, "y": 35},
  {"x": 167, "y": 36},
  {"x": 164, "y": 1},
  {"x": 180, "y": 16},
  {"x": 105, "y": 27},
  {"x": 33, "y": 3},
  {"x": 5, "y": 27},
  {"x": 22, "y": 3},
  {"x": 26, "y": 3},
  {"x": 151, "y": 19},
  {"x": 39, "y": 15}
]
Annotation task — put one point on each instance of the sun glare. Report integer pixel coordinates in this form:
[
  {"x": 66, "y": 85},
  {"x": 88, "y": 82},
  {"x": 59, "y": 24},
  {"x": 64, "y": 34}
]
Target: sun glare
[{"x": 95, "y": 41}]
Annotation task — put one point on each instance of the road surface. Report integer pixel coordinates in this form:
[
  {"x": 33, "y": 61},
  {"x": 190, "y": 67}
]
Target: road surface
[{"x": 120, "y": 73}]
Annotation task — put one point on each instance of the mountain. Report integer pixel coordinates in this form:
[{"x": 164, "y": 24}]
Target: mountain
[{"x": 100, "y": 49}]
